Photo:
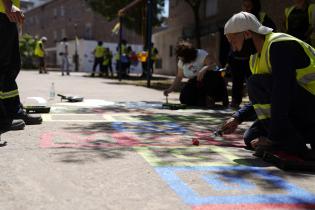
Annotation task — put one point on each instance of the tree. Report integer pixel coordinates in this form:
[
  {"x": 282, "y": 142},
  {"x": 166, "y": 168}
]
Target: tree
[
  {"x": 195, "y": 5},
  {"x": 27, "y": 47},
  {"x": 134, "y": 18}
]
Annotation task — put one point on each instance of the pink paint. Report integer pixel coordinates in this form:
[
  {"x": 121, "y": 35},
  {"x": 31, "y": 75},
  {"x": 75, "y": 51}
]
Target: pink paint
[
  {"x": 254, "y": 206},
  {"x": 78, "y": 140},
  {"x": 208, "y": 138}
]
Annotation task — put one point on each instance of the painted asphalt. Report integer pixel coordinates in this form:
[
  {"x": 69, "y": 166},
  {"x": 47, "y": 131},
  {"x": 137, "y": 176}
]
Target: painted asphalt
[{"x": 119, "y": 149}]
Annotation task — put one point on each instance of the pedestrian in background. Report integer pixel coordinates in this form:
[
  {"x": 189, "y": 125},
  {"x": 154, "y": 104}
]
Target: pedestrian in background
[
  {"x": 64, "y": 57},
  {"x": 40, "y": 54}
]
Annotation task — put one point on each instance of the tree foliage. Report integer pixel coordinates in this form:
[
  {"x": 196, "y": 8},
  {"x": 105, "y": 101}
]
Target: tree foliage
[
  {"x": 27, "y": 47},
  {"x": 135, "y": 18}
]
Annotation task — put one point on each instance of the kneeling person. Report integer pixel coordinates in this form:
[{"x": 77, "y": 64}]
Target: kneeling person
[{"x": 204, "y": 86}]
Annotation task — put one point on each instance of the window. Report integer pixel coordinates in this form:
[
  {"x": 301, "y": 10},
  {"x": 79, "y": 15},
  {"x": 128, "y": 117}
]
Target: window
[
  {"x": 88, "y": 31},
  {"x": 55, "y": 12},
  {"x": 211, "y": 8}
]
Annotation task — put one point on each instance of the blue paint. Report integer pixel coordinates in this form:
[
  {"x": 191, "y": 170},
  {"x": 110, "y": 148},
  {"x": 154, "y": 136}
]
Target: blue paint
[
  {"x": 232, "y": 182},
  {"x": 149, "y": 127},
  {"x": 293, "y": 195}
]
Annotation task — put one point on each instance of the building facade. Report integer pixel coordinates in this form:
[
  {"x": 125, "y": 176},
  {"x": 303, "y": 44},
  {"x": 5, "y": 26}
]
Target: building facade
[
  {"x": 213, "y": 15},
  {"x": 57, "y": 19}
]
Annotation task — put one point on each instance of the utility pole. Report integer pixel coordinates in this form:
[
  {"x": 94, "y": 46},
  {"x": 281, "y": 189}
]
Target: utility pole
[
  {"x": 149, "y": 41},
  {"x": 76, "y": 56}
]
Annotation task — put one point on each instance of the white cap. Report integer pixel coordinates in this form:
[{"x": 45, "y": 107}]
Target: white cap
[
  {"x": 245, "y": 21},
  {"x": 44, "y": 38}
]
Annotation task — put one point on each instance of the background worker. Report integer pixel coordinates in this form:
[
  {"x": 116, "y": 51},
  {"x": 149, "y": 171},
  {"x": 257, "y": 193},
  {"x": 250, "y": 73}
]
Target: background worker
[
  {"x": 299, "y": 20},
  {"x": 204, "y": 86},
  {"x": 281, "y": 88},
  {"x": 239, "y": 61},
  {"x": 98, "y": 53},
  {"x": 40, "y": 54}
]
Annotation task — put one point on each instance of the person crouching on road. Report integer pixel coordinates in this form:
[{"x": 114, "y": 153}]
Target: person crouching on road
[
  {"x": 204, "y": 86},
  {"x": 281, "y": 88}
]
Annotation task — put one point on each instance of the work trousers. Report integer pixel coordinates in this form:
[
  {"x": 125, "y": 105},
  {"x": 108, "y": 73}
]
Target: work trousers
[
  {"x": 301, "y": 114},
  {"x": 10, "y": 64}
]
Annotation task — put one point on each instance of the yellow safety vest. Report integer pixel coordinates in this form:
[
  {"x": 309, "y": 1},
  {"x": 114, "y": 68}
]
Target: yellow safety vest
[
  {"x": 288, "y": 10},
  {"x": 15, "y": 3},
  {"x": 38, "y": 50},
  {"x": 99, "y": 51},
  {"x": 262, "y": 16},
  {"x": 260, "y": 64}
]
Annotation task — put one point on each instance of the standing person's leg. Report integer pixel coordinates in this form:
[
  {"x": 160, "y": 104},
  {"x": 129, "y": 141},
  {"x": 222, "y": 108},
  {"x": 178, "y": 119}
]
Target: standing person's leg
[
  {"x": 67, "y": 66},
  {"x": 63, "y": 65},
  {"x": 5, "y": 119},
  {"x": 40, "y": 70},
  {"x": 237, "y": 82},
  {"x": 11, "y": 99},
  {"x": 94, "y": 67},
  {"x": 111, "y": 69},
  {"x": 100, "y": 64}
]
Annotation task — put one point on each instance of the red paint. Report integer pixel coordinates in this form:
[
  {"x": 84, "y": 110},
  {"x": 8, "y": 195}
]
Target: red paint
[
  {"x": 254, "y": 206},
  {"x": 195, "y": 141},
  {"x": 229, "y": 140}
]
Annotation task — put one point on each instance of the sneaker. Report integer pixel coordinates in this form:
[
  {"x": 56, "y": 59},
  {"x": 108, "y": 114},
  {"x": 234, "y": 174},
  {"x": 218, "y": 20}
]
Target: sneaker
[{"x": 29, "y": 119}]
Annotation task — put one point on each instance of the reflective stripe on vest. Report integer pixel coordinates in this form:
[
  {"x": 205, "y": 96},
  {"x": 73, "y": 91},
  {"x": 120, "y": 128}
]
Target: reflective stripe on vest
[
  {"x": 287, "y": 12},
  {"x": 304, "y": 77},
  {"x": 10, "y": 94},
  {"x": 15, "y": 3},
  {"x": 99, "y": 51},
  {"x": 263, "y": 111},
  {"x": 38, "y": 50}
]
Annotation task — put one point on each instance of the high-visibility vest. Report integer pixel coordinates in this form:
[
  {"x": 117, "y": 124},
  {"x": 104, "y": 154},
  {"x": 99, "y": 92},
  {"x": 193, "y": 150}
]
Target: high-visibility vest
[
  {"x": 288, "y": 10},
  {"x": 99, "y": 52},
  {"x": 262, "y": 16},
  {"x": 15, "y": 3},
  {"x": 38, "y": 50},
  {"x": 260, "y": 64}
]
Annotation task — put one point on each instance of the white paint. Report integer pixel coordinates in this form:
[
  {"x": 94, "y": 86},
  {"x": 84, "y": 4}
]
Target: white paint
[
  {"x": 39, "y": 100},
  {"x": 88, "y": 103}
]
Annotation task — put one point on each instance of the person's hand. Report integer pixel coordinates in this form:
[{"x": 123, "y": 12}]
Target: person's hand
[
  {"x": 15, "y": 15},
  {"x": 201, "y": 74},
  {"x": 230, "y": 125},
  {"x": 261, "y": 142},
  {"x": 167, "y": 91}
]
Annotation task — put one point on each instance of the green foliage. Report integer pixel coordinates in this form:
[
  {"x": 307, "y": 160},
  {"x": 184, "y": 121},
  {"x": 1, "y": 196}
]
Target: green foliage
[
  {"x": 134, "y": 18},
  {"x": 27, "y": 47}
]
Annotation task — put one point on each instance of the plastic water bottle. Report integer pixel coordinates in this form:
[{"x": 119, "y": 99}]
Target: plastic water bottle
[{"x": 52, "y": 92}]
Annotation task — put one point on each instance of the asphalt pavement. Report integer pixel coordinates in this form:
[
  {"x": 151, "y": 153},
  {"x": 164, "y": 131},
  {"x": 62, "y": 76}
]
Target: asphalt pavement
[{"x": 119, "y": 149}]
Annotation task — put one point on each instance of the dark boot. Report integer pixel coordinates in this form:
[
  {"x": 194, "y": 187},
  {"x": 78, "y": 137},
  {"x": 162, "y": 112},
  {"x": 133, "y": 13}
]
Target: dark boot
[{"x": 28, "y": 119}]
